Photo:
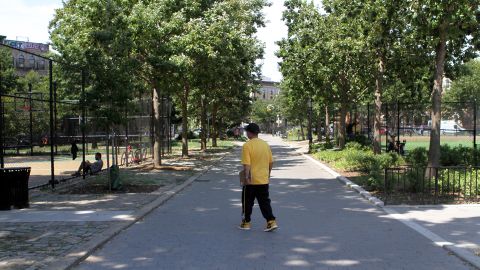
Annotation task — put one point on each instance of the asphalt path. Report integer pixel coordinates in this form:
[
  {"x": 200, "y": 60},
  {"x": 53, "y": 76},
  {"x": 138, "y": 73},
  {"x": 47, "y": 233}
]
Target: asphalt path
[{"x": 323, "y": 225}]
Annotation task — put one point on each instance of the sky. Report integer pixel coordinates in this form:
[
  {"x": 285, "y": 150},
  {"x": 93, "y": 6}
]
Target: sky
[{"x": 28, "y": 20}]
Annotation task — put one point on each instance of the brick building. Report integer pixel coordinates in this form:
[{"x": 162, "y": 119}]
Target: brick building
[
  {"x": 268, "y": 90},
  {"x": 24, "y": 62}
]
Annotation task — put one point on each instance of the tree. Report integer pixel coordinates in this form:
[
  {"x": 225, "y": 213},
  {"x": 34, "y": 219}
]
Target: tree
[
  {"x": 93, "y": 36},
  {"x": 200, "y": 54},
  {"x": 464, "y": 93},
  {"x": 7, "y": 71},
  {"x": 324, "y": 56},
  {"x": 449, "y": 29}
]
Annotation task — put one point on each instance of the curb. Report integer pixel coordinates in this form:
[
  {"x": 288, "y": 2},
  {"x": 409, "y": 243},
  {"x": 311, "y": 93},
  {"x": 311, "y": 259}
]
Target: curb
[
  {"x": 74, "y": 257},
  {"x": 342, "y": 179},
  {"x": 464, "y": 254},
  {"x": 461, "y": 253}
]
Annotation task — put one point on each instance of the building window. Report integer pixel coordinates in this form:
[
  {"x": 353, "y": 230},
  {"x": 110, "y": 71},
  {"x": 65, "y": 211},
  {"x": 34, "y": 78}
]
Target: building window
[
  {"x": 41, "y": 64},
  {"x": 21, "y": 61},
  {"x": 31, "y": 62}
]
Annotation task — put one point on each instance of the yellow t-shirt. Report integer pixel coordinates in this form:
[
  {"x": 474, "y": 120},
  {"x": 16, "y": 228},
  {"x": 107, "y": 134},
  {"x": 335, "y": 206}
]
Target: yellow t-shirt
[{"x": 258, "y": 155}]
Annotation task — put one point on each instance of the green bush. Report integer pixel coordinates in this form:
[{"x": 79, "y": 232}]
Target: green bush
[
  {"x": 359, "y": 160},
  {"x": 449, "y": 156},
  {"x": 354, "y": 146},
  {"x": 361, "y": 139},
  {"x": 321, "y": 146},
  {"x": 417, "y": 157},
  {"x": 356, "y": 157},
  {"x": 458, "y": 155}
]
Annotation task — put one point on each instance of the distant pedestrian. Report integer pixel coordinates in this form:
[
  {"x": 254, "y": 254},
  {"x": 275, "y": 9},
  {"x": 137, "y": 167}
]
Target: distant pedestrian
[
  {"x": 257, "y": 164},
  {"x": 88, "y": 166},
  {"x": 74, "y": 150}
]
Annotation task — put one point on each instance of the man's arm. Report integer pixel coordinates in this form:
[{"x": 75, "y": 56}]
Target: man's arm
[
  {"x": 248, "y": 177},
  {"x": 270, "y": 166}
]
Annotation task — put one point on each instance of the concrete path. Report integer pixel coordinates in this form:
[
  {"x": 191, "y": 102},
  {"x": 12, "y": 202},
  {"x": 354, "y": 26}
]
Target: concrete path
[
  {"x": 457, "y": 224},
  {"x": 64, "y": 216},
  {"x": 322, "y": 226}
]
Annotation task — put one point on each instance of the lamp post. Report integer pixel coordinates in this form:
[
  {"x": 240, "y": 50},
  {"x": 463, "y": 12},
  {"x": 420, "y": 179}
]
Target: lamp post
[
  {"x": 310, "y": 137},
  {"x": 270, "y": 109}
]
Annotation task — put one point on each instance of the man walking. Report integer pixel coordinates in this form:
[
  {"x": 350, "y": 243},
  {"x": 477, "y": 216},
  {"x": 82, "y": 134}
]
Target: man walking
[{"x": 257, "y": 164}]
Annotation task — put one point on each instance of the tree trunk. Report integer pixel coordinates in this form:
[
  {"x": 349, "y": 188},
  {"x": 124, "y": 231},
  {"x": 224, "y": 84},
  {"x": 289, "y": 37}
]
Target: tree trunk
[
  {"x": 214, "y": 125},
  {"x": 203, "y": 123},
  {"x": 184, "y": 100},
  {"x": 157, "y": 115},
  {"x": 434, "y": 150},
  {"x": 377, "y": 142},
  {"x": 342, "y": 125},
  {"x": 302, "y": 131},
  {"x": 327, "y": 124},
  {"x": 220, "y": 125},
  {"x": 319, "y": 127}
]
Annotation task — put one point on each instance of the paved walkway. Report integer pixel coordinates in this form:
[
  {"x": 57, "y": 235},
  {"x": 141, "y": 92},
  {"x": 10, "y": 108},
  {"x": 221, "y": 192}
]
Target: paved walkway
[
  {"x": 456, "y": 224},
  {"x": 60, "y": 225},
  {"x": 322, "y": 226}
]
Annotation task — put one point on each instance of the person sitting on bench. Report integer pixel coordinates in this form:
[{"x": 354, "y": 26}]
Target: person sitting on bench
[{"x": 93, "y": 168}]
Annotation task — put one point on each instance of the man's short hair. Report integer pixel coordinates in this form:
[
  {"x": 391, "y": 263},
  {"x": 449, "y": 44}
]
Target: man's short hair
[
  {"x": 98, "y": 154},
  {"x": 253, "y": 128}
]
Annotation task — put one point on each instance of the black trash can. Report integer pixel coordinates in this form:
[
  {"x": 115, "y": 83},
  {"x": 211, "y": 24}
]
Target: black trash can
[
  {"x": 5, "y": 192},
  {"x": 15, "y": 183}
]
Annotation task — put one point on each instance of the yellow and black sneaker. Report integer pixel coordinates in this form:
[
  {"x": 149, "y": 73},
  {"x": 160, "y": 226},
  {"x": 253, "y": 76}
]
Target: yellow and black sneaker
[
  {"x": 245, "y": 225},
  {"x": 271, "y": 225}
]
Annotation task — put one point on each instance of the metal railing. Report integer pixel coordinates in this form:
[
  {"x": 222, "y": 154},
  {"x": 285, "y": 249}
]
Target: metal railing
[{"x": 431, "y": 185}]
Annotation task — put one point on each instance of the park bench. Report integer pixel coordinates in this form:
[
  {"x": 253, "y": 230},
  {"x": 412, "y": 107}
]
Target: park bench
[{"x": 14, "y": 187}]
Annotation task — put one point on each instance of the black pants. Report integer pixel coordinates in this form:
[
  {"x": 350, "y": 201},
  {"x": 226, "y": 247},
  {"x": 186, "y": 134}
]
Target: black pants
[{"x": 249, "y": 193}]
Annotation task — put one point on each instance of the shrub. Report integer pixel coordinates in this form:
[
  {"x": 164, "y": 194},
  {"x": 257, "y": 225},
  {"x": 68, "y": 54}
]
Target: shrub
[
  {"x": 417, "y": 157},
  {"x": 359, "y": 160},
  {"x": 449, "y": 156},
  {"x": 321, "y": 146},
  {"x": 361, "y": 139},
  {"x": 190, "y": 136},
  {"x": 354, "y": 145},
  {"x": 458, "y": 155}
]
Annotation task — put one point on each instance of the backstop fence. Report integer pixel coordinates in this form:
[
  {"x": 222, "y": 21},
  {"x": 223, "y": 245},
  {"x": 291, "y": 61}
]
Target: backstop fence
[{"x": 53, "y": 135}]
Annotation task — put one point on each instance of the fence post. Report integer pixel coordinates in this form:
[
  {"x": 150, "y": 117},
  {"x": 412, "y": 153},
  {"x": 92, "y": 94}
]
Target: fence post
[
  {"x": 30, "y": 117},
  {"x": 398, "y": 127},
  {"x": 84, "y": 124},
  {"x": 2, "y": 161},
  {"x": 152, "y": 126},
  {"x": 387, "y": 131},
  {"x": 475, "y": 132},
  {"x": 435, "y": 199},
  {"x": 368, "y": 122},
  {"x": 55, "y": 116},
  {"x": 52, "y": 139},
  {"x": 126, "y": 137},
  {"x": 385, "y": 182}
]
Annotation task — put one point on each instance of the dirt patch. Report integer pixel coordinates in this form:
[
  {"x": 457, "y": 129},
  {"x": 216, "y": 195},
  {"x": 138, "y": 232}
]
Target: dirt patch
[
  {"x": 103, "y": 189},
  {"x": 172, "y": 168},
  {"x": 150, "y": 167},
  {"x": 351, "y": 174}
]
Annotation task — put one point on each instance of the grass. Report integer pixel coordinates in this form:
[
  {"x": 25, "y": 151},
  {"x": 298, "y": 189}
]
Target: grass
[
  {"x": 424, "y": 141},
  {"x": 194, "y": 145}
]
